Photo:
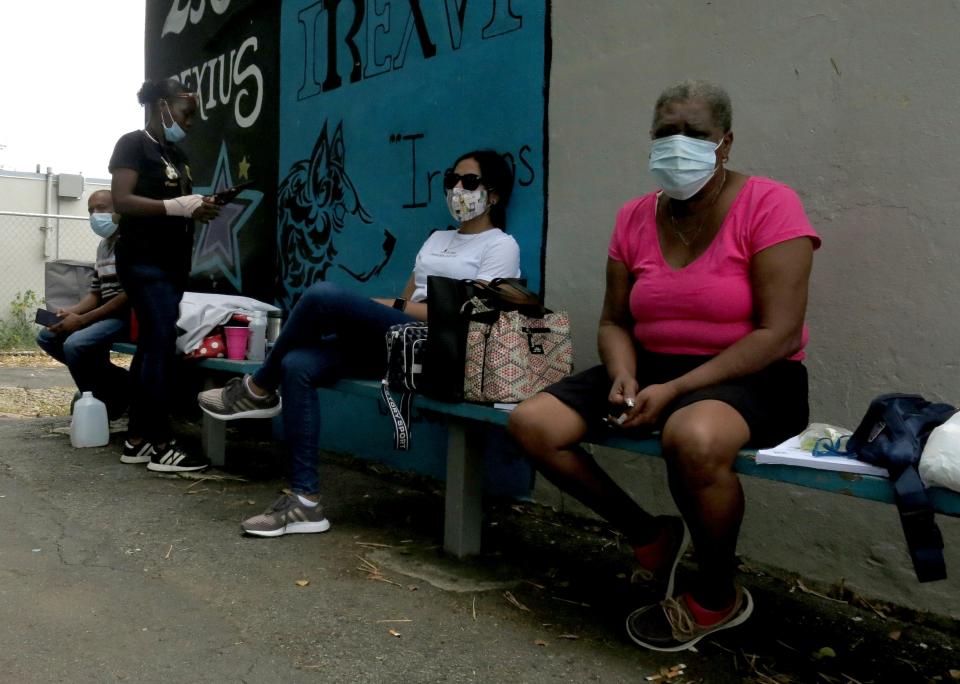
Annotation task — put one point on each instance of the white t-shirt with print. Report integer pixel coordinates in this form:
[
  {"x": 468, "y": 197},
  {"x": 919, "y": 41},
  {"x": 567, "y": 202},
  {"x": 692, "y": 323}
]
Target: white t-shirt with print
[{"x": 478, "y": 256}]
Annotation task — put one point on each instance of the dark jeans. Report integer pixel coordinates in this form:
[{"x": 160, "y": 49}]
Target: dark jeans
[
  {"x": 330, "y": 334},
  {"x": 86, "y": 352},
  {"x": 155, "y": 295}
]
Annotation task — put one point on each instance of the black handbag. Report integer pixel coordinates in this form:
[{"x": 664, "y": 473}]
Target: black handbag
[
  {"x": 892, "y": 435},
  {"x": 447, "y": 341}
]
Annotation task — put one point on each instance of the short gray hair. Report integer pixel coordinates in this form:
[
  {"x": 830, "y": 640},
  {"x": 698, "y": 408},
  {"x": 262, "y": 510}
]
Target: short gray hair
[{"x": 715, "y": 97}]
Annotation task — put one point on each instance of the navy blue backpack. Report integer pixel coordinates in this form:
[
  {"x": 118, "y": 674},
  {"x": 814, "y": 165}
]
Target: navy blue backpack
[{"x": 892, "y": 435}]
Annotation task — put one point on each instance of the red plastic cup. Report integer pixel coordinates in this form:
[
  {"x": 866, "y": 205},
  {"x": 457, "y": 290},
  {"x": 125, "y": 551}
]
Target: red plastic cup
[
  {"x": 134, "y": 327},
  {"x": 236, "y": 341}
]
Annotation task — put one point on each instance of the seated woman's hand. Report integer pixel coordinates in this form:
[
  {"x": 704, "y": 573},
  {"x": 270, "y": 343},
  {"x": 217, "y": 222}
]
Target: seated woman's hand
[
  {"x": 622, "y": 392},
  {"x": 649, "y": 403}
]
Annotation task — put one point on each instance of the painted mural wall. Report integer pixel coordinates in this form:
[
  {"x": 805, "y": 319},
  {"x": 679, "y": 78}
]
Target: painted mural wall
[
  {"x": 228, "y": 52},
  {"x": 345, "y": 115},
  {"x": 378, "y": 98}
]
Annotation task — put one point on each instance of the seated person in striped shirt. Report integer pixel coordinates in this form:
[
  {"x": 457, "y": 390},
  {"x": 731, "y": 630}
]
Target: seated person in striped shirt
[{"x": 82, "y": 338}]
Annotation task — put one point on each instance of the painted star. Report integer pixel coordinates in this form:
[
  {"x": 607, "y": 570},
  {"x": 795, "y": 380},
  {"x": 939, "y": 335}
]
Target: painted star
[
  {"x": 217, "y": 248},
  {"x": 243, "y": 169}
]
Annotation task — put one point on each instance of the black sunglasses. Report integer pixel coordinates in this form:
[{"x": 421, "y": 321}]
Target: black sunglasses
[{"x": 470, "y": 181}]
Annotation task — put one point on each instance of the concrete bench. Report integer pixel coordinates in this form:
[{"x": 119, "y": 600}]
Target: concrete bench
[
  {"x": 465, "y": 449},
  {"x": 466, "y": 427}
]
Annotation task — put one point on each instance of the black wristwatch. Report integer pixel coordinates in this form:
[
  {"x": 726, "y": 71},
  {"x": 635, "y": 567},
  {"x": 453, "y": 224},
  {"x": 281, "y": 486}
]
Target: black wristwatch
[{"x": 400, "y": 304}]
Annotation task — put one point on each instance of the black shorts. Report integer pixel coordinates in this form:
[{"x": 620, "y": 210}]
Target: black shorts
[{"x": 772, "y": 401}]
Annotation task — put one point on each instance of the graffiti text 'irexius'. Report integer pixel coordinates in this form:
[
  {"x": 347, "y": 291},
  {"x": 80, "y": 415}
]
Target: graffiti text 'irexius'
[
  {"x": 248, "y": 97},
  {"x": 385, "y": 29}
]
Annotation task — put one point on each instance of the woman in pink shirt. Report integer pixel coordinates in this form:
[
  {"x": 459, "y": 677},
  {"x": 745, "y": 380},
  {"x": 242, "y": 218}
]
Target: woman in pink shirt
[{"x": 702, "y": 336}]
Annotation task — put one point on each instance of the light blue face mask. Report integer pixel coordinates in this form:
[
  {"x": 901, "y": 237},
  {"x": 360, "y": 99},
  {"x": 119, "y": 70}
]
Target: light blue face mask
[
  {"x": 683, "y": 165},
  {"x": 173, "y": 133},
  {"x": 103, "y": 224}
]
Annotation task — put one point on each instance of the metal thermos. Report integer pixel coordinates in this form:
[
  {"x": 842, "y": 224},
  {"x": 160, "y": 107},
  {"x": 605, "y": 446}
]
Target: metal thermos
[{"x": 273, "y": 326}]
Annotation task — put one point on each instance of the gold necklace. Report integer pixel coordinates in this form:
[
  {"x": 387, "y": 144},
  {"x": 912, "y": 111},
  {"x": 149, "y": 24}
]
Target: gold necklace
[
  {"x": 170, "y": 170},
  {"x": 681, "y": 235}
]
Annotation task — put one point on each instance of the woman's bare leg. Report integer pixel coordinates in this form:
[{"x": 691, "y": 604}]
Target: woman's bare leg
[{"x": 700, "y": 443}]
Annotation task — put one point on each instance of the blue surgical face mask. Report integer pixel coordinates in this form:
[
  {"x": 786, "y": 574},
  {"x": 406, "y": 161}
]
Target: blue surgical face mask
[
  {"x": 173, "y": 133},
  {"x": 103, "y": 224},
  {"x": 682, "y": 165}
]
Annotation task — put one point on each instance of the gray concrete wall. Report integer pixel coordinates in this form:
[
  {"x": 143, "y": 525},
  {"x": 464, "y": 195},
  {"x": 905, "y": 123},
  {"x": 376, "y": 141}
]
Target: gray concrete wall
[{"x": 852, "y": 104}]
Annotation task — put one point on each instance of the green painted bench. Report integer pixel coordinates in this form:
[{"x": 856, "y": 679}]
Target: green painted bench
[{"x": 466, "y": 428}]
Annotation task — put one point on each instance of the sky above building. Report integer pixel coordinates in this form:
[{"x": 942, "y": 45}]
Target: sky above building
[{"x": 70, "y": 74}]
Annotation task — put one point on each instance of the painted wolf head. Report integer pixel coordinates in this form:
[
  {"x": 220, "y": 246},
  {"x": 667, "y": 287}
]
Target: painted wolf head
[{"x": 319, "y": 205}]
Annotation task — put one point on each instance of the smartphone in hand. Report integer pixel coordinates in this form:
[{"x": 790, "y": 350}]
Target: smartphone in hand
[
  {"x": 228, "y": 195},
  {"x": 47, "y": 318}
]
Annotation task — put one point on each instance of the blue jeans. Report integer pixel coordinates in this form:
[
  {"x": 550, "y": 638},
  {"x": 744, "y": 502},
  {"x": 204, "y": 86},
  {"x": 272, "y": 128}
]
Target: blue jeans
[
  {"x": 86, "y": 353},
  {"x": 155, "y": 295},
  {"x": 330, "y": 334}
]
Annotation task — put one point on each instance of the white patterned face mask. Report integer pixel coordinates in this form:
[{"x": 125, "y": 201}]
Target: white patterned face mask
[{"x": 466, "y": 204}]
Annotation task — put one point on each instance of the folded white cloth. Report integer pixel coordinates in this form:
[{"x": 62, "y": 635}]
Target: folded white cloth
[{"x": 201, "y": 312}]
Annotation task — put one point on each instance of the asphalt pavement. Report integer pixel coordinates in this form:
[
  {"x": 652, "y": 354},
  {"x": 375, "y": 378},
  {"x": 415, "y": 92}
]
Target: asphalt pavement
[{"x": 111, "y": 573}]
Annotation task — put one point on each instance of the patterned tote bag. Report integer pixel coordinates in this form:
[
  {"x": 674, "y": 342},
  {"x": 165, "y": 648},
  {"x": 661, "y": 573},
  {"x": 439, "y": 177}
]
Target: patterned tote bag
[{"x": 516, "y": 355}]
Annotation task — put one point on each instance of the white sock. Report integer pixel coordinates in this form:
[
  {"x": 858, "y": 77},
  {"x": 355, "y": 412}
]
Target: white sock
[
  {"x": 307, "y": 502},
  {"x": 246, "y": 386}
]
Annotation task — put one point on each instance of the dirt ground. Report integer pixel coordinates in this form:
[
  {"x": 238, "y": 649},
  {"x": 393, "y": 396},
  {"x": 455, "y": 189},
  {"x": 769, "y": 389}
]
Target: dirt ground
[{"x": 40, "y": 402}]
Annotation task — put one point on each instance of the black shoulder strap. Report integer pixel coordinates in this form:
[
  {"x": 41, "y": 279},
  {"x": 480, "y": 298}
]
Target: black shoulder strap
[
  {"x": 400, "y": 416},
  {"x": 919, "y": 527}
]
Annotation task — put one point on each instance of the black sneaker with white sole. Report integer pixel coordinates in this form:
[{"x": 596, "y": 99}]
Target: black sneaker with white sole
[
  {"x": 136, "y": 453},
  {"x": 173, "y": 459},
  {"x": 670, "y": 626}
]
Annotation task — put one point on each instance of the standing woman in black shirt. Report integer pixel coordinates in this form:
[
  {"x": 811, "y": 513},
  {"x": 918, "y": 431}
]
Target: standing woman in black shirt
[{"x": 152, "y": 192}]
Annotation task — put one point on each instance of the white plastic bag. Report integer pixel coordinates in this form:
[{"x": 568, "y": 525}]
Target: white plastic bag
[
  {"x": 818, "y": 433},
  {"x": 940, "y": 461}
]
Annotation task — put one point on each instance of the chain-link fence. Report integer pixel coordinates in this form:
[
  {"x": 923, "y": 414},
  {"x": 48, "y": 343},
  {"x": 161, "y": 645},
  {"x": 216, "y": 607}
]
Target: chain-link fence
[{"x": 29, "y": 241}]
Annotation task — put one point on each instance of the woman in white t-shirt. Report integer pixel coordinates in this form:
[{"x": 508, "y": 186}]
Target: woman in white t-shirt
[{"x": 333, "y": 333}]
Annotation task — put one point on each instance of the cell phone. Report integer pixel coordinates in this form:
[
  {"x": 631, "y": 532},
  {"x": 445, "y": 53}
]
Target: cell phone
[
  {"x": 47, "y": 318},
  {"x": 228, "y": 195}
]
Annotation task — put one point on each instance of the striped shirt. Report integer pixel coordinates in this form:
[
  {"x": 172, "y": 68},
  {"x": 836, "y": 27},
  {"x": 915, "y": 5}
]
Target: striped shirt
[{"x": 105, "y": 280}]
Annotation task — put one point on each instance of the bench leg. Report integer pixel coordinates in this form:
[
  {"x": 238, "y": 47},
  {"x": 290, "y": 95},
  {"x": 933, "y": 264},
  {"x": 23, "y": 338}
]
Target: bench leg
[
  {"x": 213, "y": 434},
  {"x": 463, "y": 506}
]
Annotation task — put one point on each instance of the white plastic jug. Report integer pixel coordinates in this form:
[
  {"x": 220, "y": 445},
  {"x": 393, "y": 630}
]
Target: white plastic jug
[{"x": 89, "y": 426}]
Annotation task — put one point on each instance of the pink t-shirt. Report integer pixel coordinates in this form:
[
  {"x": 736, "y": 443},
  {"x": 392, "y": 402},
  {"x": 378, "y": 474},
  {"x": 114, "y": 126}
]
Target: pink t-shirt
[{"x": 706, "y": 306}]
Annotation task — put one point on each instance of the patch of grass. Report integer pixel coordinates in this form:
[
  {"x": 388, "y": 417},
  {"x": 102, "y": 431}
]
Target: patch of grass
[{"x": 18, "y": 331}]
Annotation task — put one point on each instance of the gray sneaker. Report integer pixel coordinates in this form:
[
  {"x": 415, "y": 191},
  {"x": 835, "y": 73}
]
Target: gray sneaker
[
  {"x": 234, "y": 401},
  {"x": 287, "y": 516}
]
